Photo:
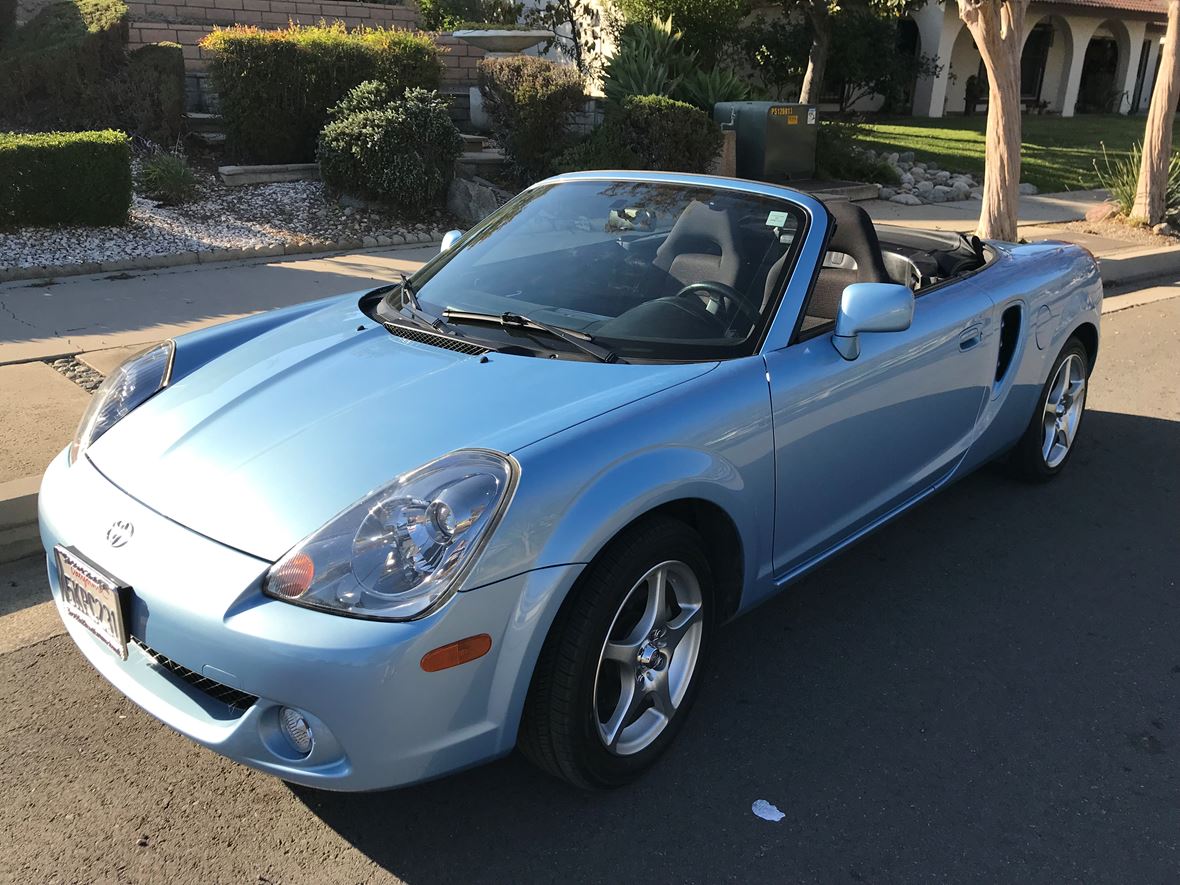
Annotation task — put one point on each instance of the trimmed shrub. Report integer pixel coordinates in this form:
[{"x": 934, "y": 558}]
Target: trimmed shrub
[
  {"x": 167, "y": 178},
  {"x": 530, "y": 101},
  {"x": 153, "y": 103},
  {"x": 401, "y": 152},
  {"x": 450, "y": 15},
  {"x": 276, "y": 86},
  {"x": 56, "y": 69},
  {"x": 64, "y": 178},
  {"x": 649, "y": 132}
]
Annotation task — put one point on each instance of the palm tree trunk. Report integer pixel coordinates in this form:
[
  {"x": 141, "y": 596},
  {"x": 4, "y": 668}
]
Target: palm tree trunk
[{"x": 1150, "y": 204}]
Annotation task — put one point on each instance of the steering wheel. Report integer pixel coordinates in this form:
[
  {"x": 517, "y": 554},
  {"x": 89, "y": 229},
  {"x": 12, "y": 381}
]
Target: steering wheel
[{"x": 726, "y": 295}]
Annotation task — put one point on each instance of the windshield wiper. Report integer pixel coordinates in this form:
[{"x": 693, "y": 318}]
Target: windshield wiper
[
  {"x": 580, "y": 340},
  {"x": 411, "y": 303}
]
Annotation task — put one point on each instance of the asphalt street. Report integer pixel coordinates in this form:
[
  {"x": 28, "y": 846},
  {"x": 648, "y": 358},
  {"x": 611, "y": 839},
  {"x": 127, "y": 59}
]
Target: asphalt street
[{"x": 987, "y": 690}]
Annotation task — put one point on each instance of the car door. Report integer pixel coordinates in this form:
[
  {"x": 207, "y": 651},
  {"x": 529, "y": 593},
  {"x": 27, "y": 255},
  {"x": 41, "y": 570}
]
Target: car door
[{"x": 855, "y": 440}]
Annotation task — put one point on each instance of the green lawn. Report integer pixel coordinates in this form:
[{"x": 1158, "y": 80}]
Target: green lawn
[{"x": 1058, "y": 153}]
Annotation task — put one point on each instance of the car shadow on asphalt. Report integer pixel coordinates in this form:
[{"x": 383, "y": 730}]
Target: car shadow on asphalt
[{"x": 986, "y": 688}]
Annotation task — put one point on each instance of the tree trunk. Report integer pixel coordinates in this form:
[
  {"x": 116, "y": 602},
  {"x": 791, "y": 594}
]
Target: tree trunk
[
  {"x": 1150, "y": 204},
  {"x": 998, "y": 29},
  {"x": 817, "y": 58}
]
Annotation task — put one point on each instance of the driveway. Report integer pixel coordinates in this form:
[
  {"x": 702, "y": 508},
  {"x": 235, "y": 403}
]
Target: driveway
[{"x": 988, "y": 689}]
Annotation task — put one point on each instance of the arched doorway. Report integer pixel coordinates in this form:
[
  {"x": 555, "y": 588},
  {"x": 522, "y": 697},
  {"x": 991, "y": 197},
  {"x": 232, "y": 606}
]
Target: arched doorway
[
  {"x": 964, "y": 65},
  {"x": 1104, "y": 68},
  {"x": 908, "y": 45},
  {"x": 1045, "y": 63}
]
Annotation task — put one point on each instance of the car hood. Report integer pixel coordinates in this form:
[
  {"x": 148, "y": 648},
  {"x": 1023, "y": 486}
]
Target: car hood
[{"x": 265, "y": 443}]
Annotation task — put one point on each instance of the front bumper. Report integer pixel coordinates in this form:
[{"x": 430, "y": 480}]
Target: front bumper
[{"x": 379, "y": 720}]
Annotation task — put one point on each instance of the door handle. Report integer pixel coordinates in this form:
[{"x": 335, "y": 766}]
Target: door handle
[{"x": 970, "y": 337}]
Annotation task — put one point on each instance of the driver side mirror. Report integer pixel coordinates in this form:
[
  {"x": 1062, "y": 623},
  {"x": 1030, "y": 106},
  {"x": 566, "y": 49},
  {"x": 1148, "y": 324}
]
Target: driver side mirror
[
  {"x": 871, "y": 307},
  {"x": 449, "y": 239}
]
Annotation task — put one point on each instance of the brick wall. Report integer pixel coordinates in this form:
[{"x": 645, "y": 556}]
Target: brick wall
[
  {"x": 271, "y": 12},
  {"x": 460, "y": 60}
]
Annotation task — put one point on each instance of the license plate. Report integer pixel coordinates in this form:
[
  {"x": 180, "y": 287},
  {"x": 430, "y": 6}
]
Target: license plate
[{"x": 93, "y": 598}]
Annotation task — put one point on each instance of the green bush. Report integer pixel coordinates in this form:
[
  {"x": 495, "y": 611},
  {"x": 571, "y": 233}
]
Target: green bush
[
  {"x": 708, "y": 25},
  {"x": 838, "y": 154},
  {"x": 57, "y": 69},
  {"x": 276, "y": 86},
  {"x": 649, "y": 132},
  {"x": 167, "y": 178},
  {"x": 400, "y": 151},
  {"x": 64, "y": 178},
  {"x": 450, "y": 15},
  {"x": 153, "y": 96},
  {"x": 530, "y": 102}
]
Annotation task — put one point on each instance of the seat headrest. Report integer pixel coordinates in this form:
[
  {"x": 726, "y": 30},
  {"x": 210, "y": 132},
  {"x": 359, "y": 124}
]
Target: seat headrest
[{"x": 856, "y": 236}]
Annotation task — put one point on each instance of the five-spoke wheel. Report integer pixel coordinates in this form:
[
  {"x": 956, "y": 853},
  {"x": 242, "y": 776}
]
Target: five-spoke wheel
[{"x": 1053, "y": 431}]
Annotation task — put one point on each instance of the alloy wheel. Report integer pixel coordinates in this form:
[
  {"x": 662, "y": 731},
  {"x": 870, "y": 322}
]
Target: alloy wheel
[
  {"x": 648, "y": 660},
  {"x": 1062, "y": 411}
]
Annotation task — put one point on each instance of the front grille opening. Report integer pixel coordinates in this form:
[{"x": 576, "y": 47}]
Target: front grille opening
[
  {"x": 231, "y": 697},
  {"x": 436, "y": 339}
]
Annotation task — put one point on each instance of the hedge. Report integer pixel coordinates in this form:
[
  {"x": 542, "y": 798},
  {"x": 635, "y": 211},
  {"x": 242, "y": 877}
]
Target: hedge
[
  {"x": 276, "y": 86},
  {"x": 649, "y": 132},
  {"x": 56, "y": 69},
  {"x": 531, "y": 102},
  {"x": 153, "y": 104},
  {"x": 64, "y": 178}
]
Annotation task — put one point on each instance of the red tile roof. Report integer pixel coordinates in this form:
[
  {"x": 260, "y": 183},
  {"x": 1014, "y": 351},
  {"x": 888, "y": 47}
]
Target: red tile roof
[{"x": 1157, "y": 7}]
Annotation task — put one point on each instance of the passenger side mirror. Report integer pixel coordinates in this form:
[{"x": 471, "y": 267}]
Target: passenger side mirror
[
  {"x": 449, "y": 239},
  {"x": 871, "y": 307}
]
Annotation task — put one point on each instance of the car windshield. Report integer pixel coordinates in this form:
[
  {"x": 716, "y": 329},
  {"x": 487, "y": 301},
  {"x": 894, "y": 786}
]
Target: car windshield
[{"x": 647, "y": 270}]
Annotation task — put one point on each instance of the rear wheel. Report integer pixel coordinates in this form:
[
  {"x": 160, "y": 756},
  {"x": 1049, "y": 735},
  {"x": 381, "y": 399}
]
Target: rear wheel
[
  {"x": 621, "y": 667},
  {"x": 1049, "y": 441}
]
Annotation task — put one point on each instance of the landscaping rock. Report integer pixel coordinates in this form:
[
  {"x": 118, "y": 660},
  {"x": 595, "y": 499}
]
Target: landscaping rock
[
  {"x": 886, "y": 193},
  {"x": 472, "y": 199},
  {"x": 977, "y": 193},
  {"x": 942, "y": 177},
  {"x": 906, "y": 178},
  {"x": 905, "y": 200},
  {"x": 1027, "y": 189},
  {"x": 936, "y": 195},
  {"x": 1163, "y": 230},
  {"x": 1102, "y": 211},
  {"x": 906, "y": 156},
  {"x": 924, "y": 187}
]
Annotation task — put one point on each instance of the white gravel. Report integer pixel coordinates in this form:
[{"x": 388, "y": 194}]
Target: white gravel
[{"x": 219, "y": 218}]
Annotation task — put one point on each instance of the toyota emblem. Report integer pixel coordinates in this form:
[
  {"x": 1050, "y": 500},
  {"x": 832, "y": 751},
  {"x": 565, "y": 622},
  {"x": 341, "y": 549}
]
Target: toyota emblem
[{"x": 120, "y": 532}]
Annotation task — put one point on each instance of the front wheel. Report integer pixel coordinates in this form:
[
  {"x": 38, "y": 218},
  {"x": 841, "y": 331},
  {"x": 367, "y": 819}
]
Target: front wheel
[
  {"x": 621, "y": 666},
  {"x": 1053, "y": 431}
]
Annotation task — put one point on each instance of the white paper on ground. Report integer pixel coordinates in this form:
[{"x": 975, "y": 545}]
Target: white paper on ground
[{"x": 766, "y": 811}]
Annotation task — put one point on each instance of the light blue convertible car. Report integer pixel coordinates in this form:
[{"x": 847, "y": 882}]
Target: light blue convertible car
[{"x": 509, "y": 501}]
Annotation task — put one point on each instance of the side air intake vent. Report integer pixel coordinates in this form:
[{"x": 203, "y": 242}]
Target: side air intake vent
[
  {"x": 1009, "y": 336},
  {"x": 437, "y": 339}
]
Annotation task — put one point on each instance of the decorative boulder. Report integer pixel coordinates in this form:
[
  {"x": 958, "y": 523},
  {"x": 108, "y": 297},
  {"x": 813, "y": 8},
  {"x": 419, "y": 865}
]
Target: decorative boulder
[
  {"x": 905, "y": 200},
  {"x": 1027, "y": 189},
  {"x": 1102, "y": 211},
  {"x": 886, "y": 193}
]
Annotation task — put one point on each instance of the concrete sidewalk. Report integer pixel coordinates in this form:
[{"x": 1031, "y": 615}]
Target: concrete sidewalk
[{"x": 963, "y": 215}]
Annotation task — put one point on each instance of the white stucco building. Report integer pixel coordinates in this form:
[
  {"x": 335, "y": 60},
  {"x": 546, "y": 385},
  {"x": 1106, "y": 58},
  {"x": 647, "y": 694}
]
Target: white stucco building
[{"x": 1079, "y": 56}]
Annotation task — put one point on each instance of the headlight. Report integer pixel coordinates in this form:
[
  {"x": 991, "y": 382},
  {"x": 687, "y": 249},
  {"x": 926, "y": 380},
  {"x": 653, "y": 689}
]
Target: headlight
[
  {"x": 401, "y": 552},
  {"x": 127, "y": 387}
]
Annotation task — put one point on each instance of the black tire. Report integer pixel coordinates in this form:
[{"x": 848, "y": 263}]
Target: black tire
[
  {"x": 559, "y": 729},
  {"x": 1027, "y": 460}
]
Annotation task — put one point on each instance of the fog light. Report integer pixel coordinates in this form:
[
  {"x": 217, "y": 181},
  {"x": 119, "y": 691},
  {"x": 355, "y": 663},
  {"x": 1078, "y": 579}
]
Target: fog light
[{"x": 296, "y": 730}]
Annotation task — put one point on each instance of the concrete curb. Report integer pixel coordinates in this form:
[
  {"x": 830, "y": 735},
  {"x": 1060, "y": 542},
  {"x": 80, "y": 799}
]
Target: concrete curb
[
  {"x": 1138, "y": 264},
  {"x": 216, "y": 256},
  {"x": 19, "y": 536}
]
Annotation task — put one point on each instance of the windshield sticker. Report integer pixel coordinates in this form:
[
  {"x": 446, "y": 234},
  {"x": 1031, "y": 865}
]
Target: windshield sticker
[{"x": 776, "y": 219}]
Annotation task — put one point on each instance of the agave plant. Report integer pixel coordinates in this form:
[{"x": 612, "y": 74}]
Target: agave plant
[
  {"x": 649, "y": 61},
  {"x": 704, "y": 88},
  {"x": 1120, "y": 176}
]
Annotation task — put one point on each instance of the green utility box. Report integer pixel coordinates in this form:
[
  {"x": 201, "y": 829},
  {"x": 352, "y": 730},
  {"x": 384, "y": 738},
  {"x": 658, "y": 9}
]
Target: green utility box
[{"x": 775, "y": 140}]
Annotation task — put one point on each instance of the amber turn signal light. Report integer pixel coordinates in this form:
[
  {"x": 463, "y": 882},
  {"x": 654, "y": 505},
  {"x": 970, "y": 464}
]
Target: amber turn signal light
[{"x": 455, "y": 653}]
